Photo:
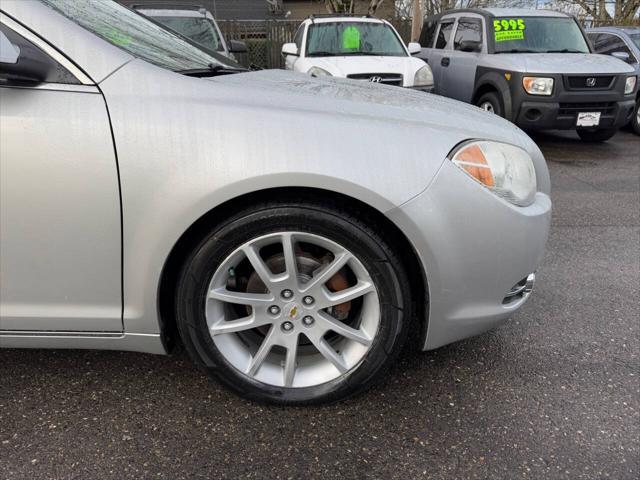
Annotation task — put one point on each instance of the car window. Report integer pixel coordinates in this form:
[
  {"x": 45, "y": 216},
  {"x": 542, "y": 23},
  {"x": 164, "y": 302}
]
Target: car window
[
  {"x": 297, "y": 38},
  {"x": 607, "y": 43},
  {"x": 353, "y": 39},
  {"x": 199, "y": 29},
  {"x": 55, "y": 73},
  {"x": 137, "y": 35},
  {"x": 444, "y": 32},
  {"x": 468, "y": 29},
  {"x": 635, "y": 38}
]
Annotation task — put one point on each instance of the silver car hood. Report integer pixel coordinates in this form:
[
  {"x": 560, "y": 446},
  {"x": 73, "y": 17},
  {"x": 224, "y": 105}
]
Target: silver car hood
[
  {"x": 281, "y": 90},
  {"x": 562, "y": 63}
]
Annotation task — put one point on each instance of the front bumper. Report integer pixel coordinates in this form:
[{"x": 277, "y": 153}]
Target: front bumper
[
  {"x": 540, "y": 115},
  {"x": 560, "y": 110},
  {"x": 476, "y": 249}
]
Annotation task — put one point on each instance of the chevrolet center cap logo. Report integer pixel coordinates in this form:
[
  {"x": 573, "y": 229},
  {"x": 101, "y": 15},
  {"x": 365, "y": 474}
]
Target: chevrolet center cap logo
[{"x": 293, "y": 311}]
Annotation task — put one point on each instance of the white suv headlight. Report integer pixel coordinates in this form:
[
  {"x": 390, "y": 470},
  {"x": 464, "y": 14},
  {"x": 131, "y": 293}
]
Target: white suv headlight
[
  {"x": 538, "y": 85},
  {"x": 504, "y": 169},
  {"x": 423, "y": 77},
  {"x": 318, "y": 72},
  {"x": 630, "y": 85}
]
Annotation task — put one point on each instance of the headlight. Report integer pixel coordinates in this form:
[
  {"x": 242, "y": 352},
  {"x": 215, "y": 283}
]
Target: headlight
[
  {"x": 504, "y": 169},
  {"x": 538, "y": 85},
  {"x": 318, "y": 72},
  {"x": 630, "y": 85},
  {"x": 423, "y": 77}
]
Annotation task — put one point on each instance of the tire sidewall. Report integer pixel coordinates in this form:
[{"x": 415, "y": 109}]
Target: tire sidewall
[
  {"x": 390, "y": 281},
  {"x": 495, "y": 101}
]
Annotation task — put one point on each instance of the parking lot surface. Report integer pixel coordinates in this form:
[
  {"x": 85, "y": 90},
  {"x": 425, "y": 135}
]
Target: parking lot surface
[{"x": 554, "y": 393}]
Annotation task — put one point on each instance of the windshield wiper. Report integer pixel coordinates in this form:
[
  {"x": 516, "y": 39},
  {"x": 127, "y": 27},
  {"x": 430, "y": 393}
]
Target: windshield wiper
[
  {"x": 564, "y": 50},
  {"x": 211, "y": 71},
  {"x": 518, "y": 50},
  {"x": 323, "y": 54}
]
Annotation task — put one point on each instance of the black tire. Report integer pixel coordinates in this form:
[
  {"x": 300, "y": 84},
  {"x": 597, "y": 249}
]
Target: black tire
[
  {"x": 345, "y": 227},
  {"x": 596, "y": 136},
  {"x": 494, "y": 100},
  {"x": 635, "y": 125}
]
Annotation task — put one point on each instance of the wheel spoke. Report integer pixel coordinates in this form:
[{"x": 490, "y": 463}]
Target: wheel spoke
[
  {"x": 344, "y": 330},
  {"x": 327, "y": 272},
  {"x": 289, "y": 250},
  {"x": 260, "y": 356},
  {"x": 329, "y": 353},
  {"x": 348, "y": 294},
  {"x": 240, "y": 325},
  {"x": 260, "y": 267},
  {"x": 290, "y": 362},
  {"x": 241, "y": 298}
]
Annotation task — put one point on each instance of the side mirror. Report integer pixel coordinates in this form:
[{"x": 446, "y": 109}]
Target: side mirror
[
  {"x": 236, "y": 46},
  {"x": 290, "y": 49},
  {"x": 470, "y": 46},
  {"x": 18, "y": 66},
  {"x": 9, "y": 53},
  {"x": 414, "y": 47},
  {"x": 624, "y": 56}
]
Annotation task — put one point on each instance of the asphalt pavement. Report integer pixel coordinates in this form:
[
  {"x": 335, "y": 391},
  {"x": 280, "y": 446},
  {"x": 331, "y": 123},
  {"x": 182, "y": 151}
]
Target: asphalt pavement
[{"x": 552, "y": 394}]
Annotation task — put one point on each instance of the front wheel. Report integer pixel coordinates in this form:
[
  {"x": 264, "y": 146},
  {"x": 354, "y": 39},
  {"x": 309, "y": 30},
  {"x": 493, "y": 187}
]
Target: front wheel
[
  {"x": 294, "y": 303},
  {"x": 490, "y": 102},
  {"x": 596, "y": 136},
  {"x": 635, "y": 119}
]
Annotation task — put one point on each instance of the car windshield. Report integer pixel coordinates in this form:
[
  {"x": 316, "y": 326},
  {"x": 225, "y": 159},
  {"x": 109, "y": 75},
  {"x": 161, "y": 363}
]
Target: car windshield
[
  {"x": 137, "y": 35},
  {"x": 332, "y": 39},
  {"x": 199, "y": 29},
  {"x": 635, "y": 38},
  {"x": 538, "y": 35}
]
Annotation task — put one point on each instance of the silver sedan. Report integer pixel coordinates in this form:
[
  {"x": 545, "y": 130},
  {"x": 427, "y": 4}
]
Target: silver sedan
[{"x": 293, "y": 233}]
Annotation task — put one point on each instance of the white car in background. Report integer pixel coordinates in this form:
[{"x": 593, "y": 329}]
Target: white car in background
[{"x": 356, "y": 47}]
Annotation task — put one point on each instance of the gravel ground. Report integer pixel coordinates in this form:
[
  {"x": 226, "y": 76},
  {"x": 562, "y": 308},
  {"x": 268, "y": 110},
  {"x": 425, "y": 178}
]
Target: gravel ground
[{"x": 554, "y": 393}]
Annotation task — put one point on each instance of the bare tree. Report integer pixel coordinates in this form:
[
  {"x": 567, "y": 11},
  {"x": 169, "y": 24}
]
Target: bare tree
[
  {"x": 349, "y": 6},
  {"x": 621, "y": 12}
]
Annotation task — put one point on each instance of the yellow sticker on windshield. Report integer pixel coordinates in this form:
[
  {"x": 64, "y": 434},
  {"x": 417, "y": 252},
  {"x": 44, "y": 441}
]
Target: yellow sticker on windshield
[
  {"x": 351, "y": 38},
  {"x": 506, "y": 29}
]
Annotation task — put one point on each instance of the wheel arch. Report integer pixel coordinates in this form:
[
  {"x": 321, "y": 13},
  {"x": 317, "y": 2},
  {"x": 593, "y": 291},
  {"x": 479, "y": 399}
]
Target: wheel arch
[
  {"x": 200, "y": 228},
  {"x": 494, "y": 82}
]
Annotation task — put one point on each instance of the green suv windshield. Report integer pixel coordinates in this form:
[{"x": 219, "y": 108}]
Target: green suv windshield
[
  {"x": 137, "y": 35},
  {"x": 537, "y": 35},
  {"x": 332, "y": 39},
  {"x": 198, "y": 29}
]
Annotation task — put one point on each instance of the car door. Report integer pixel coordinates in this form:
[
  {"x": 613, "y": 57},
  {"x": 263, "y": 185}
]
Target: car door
[
  {"x": 462, "y": 65},
  {"x": 438, "y": 56},
  {"x": 60, "y": 222}
]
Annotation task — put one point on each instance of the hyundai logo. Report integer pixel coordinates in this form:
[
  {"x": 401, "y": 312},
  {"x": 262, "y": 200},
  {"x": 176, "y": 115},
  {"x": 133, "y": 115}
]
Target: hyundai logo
[
  {"x": 375, "y": 79},
  {"x": 591, "y": 82}
]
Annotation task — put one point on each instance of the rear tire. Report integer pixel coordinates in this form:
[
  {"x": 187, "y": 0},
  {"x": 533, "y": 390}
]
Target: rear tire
[
  {"x": 216, "y": 265},
  {"x": 490, "y": 102},
  {"x": 596, "y": 136}
]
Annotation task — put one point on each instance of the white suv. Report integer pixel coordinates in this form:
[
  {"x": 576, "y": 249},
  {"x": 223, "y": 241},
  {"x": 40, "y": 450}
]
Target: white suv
[{"x": 357, "y": 47}]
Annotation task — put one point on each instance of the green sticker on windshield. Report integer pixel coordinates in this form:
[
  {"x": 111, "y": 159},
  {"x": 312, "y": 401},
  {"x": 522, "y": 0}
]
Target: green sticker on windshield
[
  {"x": 351, "y": 38},
  {"x": 118, "y": 37},
  {"x": 506, "y": 29}
]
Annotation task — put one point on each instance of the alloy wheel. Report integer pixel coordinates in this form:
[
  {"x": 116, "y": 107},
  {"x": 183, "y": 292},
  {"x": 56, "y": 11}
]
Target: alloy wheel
[{"x": 292, "y": 309}]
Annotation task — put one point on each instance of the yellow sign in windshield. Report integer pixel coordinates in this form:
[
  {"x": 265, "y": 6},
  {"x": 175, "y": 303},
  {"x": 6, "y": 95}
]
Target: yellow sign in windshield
[{"x": 506, "y": 29}]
